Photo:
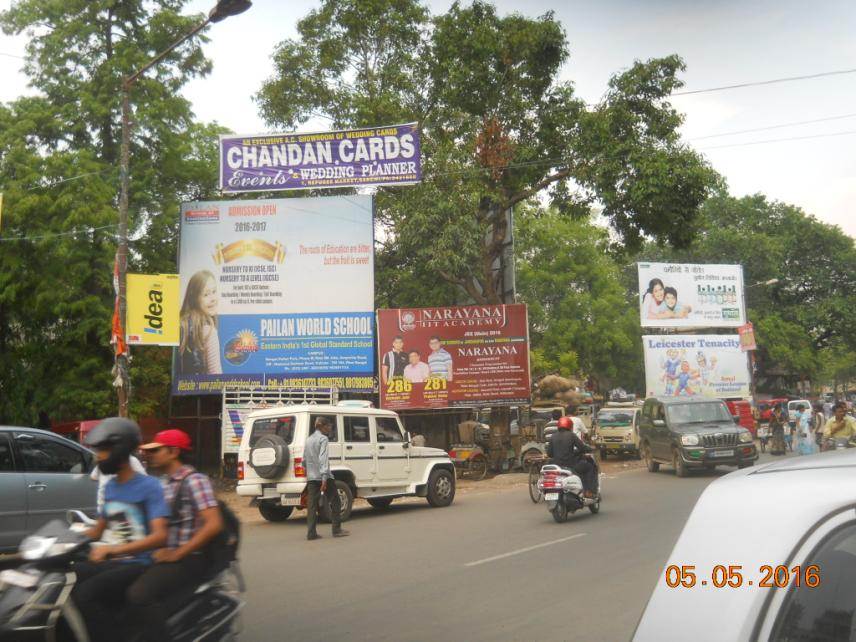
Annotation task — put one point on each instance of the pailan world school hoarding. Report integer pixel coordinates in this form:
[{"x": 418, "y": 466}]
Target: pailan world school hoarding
[{"x": 276, "y": 293}]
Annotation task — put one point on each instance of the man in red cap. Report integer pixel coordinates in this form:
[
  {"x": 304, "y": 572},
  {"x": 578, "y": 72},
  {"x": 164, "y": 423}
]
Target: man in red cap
[{"x": 195, "y": 521}]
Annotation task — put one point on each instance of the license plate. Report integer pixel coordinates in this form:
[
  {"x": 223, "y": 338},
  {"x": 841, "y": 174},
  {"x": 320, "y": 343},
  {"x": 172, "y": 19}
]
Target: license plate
[
  {"x": 551, "y": 497},
  {"x": 723, "y": 453},
  {"x": 290, "y": 501}
]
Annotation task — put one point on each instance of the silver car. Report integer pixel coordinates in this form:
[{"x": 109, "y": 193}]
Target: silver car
[
  {"x": 767, "y": 554},
  {"x": 42, "y": 475}
]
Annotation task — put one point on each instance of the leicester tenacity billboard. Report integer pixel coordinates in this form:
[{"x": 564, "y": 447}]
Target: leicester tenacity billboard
[
  {"x": 453, "y": 356},
  {"x": 693, "y": 365},
  {"x": 276, "y": 293},
  {"x": 677, "y": 295},
  {"x": 350, "y": 158}
]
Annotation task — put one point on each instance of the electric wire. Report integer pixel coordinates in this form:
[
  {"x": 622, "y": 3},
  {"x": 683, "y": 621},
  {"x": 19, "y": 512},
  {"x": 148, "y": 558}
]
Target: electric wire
[{"x": 759, "y": 83}]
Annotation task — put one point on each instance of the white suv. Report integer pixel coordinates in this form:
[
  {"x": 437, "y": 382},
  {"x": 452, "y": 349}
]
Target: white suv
[{"x": 370, "y": 456}]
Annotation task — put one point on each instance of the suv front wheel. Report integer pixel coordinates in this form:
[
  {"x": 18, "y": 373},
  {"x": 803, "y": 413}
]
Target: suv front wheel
[
  {"x": 653, "y": 466},
  {"x": 678, "y": 462},
  {"x": 441, "y": 488}
]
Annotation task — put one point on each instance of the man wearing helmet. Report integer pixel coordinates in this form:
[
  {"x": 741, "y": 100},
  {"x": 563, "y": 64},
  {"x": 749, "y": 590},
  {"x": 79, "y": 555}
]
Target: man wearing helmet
[
  {"x": 567, "y": 450},
  {"x": 135, "y": 512}
]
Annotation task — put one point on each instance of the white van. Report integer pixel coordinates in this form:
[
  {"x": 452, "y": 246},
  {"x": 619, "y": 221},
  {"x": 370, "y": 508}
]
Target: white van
[{"x": 371, "y": 456}]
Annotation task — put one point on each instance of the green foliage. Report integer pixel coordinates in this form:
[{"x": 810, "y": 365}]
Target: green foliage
[
  {"x": 498, "y": 127},
  {"x": 580, "y": 316},
  {"x": 59, "y": 172}
]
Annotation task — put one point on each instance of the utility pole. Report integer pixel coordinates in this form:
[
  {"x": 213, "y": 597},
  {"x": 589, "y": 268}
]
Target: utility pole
[{"x": 121, "y": 363}]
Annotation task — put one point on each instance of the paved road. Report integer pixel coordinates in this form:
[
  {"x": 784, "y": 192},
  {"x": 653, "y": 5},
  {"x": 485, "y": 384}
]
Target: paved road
[{"x": 493, "y": 566}]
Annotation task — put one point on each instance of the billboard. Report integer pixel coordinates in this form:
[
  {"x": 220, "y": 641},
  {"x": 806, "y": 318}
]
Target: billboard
[
  {"x": 455, "y": 356},
  {"x": 152, "y": 313},
  {"x": 690, "y": 365},
  {"x": 276, "y": 293},
  {"x": 387, "y": 155},
  {"x": 677, "y": 295}
]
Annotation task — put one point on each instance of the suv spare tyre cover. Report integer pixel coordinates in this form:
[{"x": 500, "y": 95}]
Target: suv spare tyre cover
[{"x": 269, "y": 457}]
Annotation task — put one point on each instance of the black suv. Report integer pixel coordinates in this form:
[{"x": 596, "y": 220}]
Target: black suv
[{"x": 692, "y": 433}]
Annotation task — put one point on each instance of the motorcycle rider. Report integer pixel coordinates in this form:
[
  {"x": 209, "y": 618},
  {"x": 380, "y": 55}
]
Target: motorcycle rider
[
  {"x": 568, "y": 451},
  {"x": 195, "y": 521},
  {"x": 135, "y": 512},
  {"x": 840, "y": 425}
]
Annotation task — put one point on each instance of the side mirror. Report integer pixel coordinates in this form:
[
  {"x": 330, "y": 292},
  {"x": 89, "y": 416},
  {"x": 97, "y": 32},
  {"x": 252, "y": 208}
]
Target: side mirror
[
  {"x": 406, "y": 443},
  {"x": 659, "y": 422},
  {"x": 736, "y": 419}
]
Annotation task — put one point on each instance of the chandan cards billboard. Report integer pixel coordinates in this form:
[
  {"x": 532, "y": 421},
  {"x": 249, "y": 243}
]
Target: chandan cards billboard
[
  {"x": 276, "y": 293},
  {"x": 456, "y": 356},
  {"x": 677, "y": 295},
  {"x": 387, "y": 155},
  {"x": 696, "y": 365}
]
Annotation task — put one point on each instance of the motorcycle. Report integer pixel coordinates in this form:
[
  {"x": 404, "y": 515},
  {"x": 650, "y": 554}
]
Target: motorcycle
[
  {"x": 562, "y": 490},
  {"x": 36, "y": 585},
  {"x": 838, "y": 443}
]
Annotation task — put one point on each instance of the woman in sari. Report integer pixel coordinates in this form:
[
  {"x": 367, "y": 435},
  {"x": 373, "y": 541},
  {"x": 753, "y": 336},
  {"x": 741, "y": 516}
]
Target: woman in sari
[
  {"x": 804, "y": 434},
  {"x": 778, "y": 423}
]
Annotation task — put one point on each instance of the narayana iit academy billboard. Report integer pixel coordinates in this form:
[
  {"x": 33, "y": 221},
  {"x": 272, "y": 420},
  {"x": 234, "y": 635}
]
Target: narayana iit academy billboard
[
  {"x": 276, "y": 293},
  {"x": 455, "y": 356},
  {"x": 351, "y": 158},
  {"x": 677, "y": 295},
  {"x": 693, "y": 365}
]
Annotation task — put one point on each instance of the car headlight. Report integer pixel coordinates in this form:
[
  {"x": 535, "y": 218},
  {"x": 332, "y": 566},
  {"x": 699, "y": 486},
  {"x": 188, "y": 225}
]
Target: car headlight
[
  {"x": 745, "y": 437},
  {"x": 689, "y": 440}
]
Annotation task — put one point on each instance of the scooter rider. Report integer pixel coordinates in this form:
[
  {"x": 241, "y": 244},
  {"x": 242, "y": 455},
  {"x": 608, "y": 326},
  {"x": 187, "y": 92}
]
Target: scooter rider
[
  {"x": 135, "y": 512},
  {"x": 568, "y": 451}
]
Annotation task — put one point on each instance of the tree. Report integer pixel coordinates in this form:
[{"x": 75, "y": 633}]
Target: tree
[
  {"x": 498, "y": 128},
  {"x": 58, "y": 172},
  {"x": 580, "y": 316}
]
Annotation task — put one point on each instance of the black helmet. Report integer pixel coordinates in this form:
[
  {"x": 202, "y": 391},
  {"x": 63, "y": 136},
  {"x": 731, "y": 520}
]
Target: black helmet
[{"x": 121, "y": 436}]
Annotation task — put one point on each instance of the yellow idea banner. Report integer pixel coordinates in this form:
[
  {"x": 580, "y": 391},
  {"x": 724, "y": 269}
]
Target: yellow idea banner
[{"x": 153, "y": 307}]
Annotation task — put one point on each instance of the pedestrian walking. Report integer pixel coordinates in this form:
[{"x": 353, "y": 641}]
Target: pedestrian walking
[
  {"x": 763, "y": 435},
  {"x": 818, "y": 421},
  {"x": 778, "y": 424},
  {"x": 803, "y": 431},
  {"x": 320, "y": 481},
  {"x": 789, "y": 430}
]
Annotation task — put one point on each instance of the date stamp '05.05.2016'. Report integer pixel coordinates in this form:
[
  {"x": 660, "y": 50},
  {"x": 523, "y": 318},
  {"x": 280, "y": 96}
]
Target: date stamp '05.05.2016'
[{"x": 735, "y": 576}]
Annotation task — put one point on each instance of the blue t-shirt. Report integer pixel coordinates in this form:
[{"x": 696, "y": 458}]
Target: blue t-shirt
[{"x": 129, "y": 507}]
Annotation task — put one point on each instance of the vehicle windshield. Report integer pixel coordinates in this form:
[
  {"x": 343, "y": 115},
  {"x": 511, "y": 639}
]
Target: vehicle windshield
[
  {"x": 698, "y": 413},
  {"x": 545, "y": 414},
  {"x": 614, "y": 418}
]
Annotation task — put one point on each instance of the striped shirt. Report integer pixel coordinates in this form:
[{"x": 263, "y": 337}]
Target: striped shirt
[
  {"x": 440, "y": 363},
  {"x": 197, "y": 495}
]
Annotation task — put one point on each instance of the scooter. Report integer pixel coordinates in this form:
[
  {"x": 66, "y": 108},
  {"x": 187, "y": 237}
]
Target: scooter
[
  {"x": 838, "y": 443},
  {"x": 563, "y": 491},
  {"x": 36, "y": 585}
]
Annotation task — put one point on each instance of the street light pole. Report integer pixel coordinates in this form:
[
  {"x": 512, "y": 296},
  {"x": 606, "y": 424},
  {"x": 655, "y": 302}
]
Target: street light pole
[
  {"x": 752, "y": 352},
  {"x": 121, "y": 363}
]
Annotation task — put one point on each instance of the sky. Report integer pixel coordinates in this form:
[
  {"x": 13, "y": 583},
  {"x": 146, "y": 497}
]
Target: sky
[{"x": 723, "y": 42}]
